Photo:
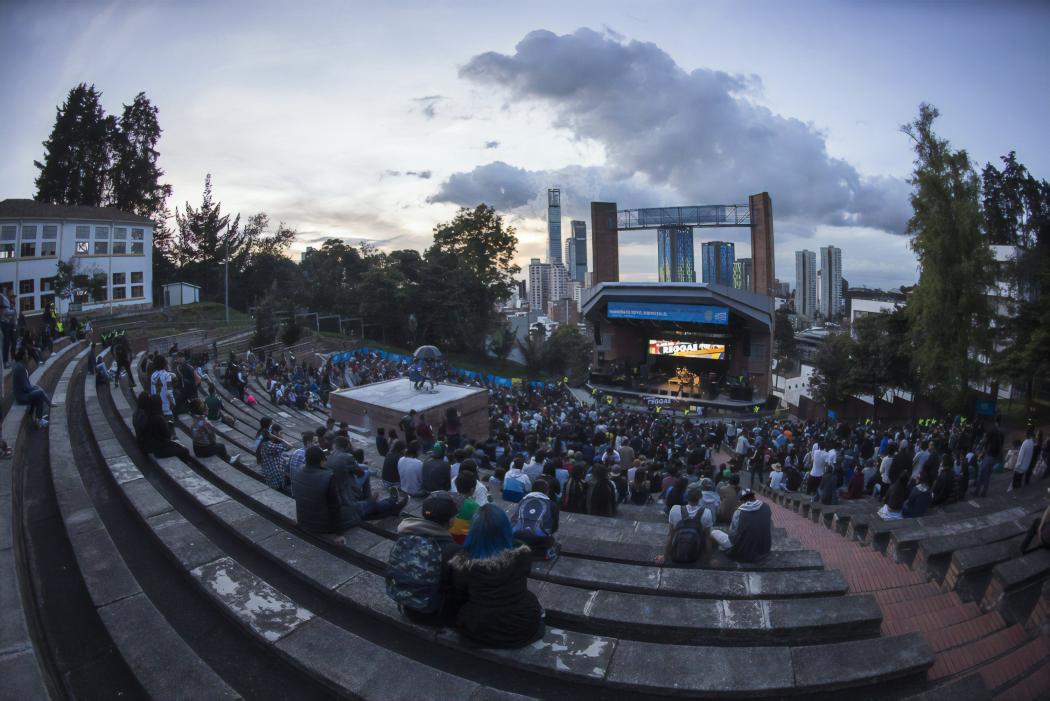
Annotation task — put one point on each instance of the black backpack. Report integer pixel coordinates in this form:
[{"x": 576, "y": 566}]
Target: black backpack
[
  {"x": 574, "y": 498},
  {"x": 687, "y": 539},
  {"x": 413, "y": 573}
]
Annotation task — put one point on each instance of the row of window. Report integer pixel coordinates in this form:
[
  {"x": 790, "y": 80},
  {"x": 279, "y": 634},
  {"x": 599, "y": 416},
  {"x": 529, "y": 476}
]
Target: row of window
[
  {"x": 27, "y": 289},
  {"x": 46, "y": 246}
]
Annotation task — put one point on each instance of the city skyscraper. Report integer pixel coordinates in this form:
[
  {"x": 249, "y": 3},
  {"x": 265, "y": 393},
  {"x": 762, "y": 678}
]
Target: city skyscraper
[
  {"x": 539, "y": 284},
  {"x": 806, "y": 283},
  {"x": 717, "y": 262},
  {"x": 742, "y": 272},
  {"x": 577, "y": 263},
  {"x": 554, "y": 226},
  {"x": 675, "y": 254},
  {"x": 830, "y": 282}
]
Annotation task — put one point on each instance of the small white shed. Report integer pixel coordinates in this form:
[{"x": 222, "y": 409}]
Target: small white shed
[{"x": 179, "y": 293}]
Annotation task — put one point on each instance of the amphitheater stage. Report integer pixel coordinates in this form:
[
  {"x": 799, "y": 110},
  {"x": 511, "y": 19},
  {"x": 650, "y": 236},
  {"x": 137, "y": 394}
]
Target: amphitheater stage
[{"x": 383, "y": 404}]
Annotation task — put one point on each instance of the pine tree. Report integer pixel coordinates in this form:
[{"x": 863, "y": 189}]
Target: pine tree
[
  {"x": 136, "y": 175},
  {"x": 78, "y": 155},
  {"x": 949, "y": 307}
]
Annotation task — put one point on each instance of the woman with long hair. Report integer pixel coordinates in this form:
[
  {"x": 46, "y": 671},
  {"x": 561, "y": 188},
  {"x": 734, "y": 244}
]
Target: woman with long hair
[{"x": 490, "y": 584}]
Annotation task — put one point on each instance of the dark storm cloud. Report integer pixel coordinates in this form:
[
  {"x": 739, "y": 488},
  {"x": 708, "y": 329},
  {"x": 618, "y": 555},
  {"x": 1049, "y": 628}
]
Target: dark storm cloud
[{"x": 698, "y": 135}]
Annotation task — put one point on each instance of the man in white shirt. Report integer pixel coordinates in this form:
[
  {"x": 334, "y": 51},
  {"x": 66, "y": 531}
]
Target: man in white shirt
[
  {"x": 816, "y": 473},
  {"x": 1023, "y": 464},
  {"x": 410, "y": 471}
]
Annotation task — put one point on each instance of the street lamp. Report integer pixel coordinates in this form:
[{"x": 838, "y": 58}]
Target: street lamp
[{"x": 227, "y": 274}]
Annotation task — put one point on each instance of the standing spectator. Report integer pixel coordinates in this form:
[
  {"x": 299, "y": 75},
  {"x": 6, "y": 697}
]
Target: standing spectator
[
  {"x": 382, "y": 445},
  {"x": 1025, "y": 462},
  {"x": 490, "y": 583},
  {"x": 7, "y": 326},
  {"x": 991, "y": 455},
  {"x": 160, "y": 385}
]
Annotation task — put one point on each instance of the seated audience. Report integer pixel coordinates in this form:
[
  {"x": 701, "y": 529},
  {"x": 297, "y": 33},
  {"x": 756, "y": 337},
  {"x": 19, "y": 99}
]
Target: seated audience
[
  {"x": 418, "y": 576},
  {"x": 690, "y": 526},
  {"x": 490, "y": 585},
  {"x": 410, "y": 471},
  {"x": 728, "y": 494},
  {"x": 436, "y": 471},
  {"x": 750, "y": 535},
  {"x": 601, "y": 493},
  {"x": 205, "y": 443}
]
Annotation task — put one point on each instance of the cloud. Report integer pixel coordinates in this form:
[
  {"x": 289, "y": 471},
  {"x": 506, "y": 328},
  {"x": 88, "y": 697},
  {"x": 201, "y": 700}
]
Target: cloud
[
  {"x": 421, "y": 174},
  {"x": 491, "y": 144},
  {"x": 428, "y": 104},
  {"x": 695, "y": 137}
]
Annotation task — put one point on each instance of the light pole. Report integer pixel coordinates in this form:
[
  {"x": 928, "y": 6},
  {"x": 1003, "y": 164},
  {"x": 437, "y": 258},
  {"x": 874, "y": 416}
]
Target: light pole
[{"x": 227, "y": 275}]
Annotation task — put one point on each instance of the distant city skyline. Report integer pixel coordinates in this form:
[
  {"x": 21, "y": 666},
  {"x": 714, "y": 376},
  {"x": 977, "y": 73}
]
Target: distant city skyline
[{"x": 289, "y": 111}]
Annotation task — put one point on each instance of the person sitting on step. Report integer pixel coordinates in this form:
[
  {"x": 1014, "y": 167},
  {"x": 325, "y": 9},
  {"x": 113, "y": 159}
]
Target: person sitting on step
[{"x": 750, "y": 535}]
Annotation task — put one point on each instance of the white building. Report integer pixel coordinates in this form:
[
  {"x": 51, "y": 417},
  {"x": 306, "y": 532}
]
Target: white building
[
  {"x": 539, "y": 284},
  {"x": 34, "y": 236},
  {"x": 806, "y": 284},
  {"x": 830, "y": 282},
  {"x": 179, "y": 293}
]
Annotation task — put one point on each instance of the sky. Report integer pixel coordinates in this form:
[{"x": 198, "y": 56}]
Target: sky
[{"x": 376, "y": 121}]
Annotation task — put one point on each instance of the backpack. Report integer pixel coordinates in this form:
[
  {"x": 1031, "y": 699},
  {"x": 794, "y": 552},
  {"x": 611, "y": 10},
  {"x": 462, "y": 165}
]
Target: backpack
[
  {"x": 413, "y": 574},
  {"x": 534, "y": 521},
  {"x": 687, "y": 539},
  {"x": 574, "y": 498},
  {"x": 513, "y": 489}
]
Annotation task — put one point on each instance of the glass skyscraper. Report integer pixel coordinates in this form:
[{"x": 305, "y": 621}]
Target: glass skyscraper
[
  {"x": 675, "y": 254},
  {"x": 576, "y": 246},
  {"x": 717, "y": 262},
  {"x": 554, "y": 226}
]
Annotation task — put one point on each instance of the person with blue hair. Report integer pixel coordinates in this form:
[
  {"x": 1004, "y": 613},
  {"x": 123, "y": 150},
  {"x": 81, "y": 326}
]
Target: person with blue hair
[{"x": 490, "y": 585}]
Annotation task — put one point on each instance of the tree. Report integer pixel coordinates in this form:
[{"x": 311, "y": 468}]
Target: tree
[
  {"x": 79, "y": 153},
  {"x": 205, "y": 236},
  {"x": 501, "y": 342},
  {"x": 948, "y": 308},
  {"x": 532, "y": 348},
  {"x": 479, "y": 251},
  {"x": 783, "y": 333},
  {"x": 830, "y": 381},
  {"x": 265, "y": 323},
  {"x": 568, "y": 352},
  {"x": 135, "y": 174},
  {"x": 70, "y": 278}
]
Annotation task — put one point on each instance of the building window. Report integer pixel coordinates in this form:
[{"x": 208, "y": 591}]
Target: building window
[
  {"x": 137, "y": 237},
  {"x": 136, "y": 277},
  {"x": 7, "y": 240},
  {"x": 48, "y": 249},
  {"x": 120, "y": 278},
  {"x": 120, "y": 233},
  {"x": 101, "y": 296},
  {"x": 50, "y": 232},
  {"x": 26, "y": 304},
  {"x": 102, "y": 232},
  {"x": 83, "y": 232},
  {"x": 136, "y": 291},
  {"x": 29, "y": 232},
  {"x": 47, "y": 300},
  {"x": 120, "y": 293},
  {"x": 26, "y": 287},
  {"x": 27, "y": 249},
  {"x": 101, "y": 248},
  {"x": 47, "y": 284},
  {"x": 120, "y": 248},
  {"x": 82, "y": 248}
]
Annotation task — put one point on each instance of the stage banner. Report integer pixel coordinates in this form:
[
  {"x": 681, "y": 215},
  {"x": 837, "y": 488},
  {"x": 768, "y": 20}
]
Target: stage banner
[{"x": 689, "y": 313}]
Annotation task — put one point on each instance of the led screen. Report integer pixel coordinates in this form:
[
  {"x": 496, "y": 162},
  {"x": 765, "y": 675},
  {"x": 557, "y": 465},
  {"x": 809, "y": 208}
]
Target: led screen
[
  {"x": 687, "y": 349},
  {"x": 693, "y": 313}
]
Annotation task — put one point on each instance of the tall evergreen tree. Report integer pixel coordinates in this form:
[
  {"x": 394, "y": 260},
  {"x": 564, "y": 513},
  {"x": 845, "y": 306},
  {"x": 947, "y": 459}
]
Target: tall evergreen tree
[
  {"x": 79, "y": 153},
  {"x": 203, "y": 234},
  {"x": 949, "y": 307},
  {"x": 136, "y": 175}
]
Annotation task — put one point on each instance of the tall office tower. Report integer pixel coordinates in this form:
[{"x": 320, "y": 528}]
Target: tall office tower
[
  {"x": 762, "y": 268},
  {"x": 568, "y": 255},
  {"x": 742, "y": 271},
  {"x": 554, "y": 226},
  {"x": 674, "y": 246},
  {"x": 830, "y": 282},
  {"x": 539, "y": 284},
  {"x": 578, "y": 264},
  {"x": 717, "y": 264},
  {"x": 806, "y": 284},
  {"x": 783, "y": 289}
]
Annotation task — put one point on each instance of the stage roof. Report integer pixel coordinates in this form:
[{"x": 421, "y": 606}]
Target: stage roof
[{"x": 755, "y": 306}]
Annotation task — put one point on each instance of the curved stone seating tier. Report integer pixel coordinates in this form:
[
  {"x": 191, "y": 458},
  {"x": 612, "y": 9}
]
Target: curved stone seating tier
[
  {"x": 561, "y": 649},
  {"x": 308, "y": 641},
  {"x": 20, "y": 668}
]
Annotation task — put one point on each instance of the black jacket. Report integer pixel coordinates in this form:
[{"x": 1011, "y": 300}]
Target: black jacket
[
  {"x": 390, "y": 473},
  {"x": 751, "y": 531},
  {"x": 316, "y": 501},
  {"x": 437, "y": 475},
  {"x": 495, "y": 606}
]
